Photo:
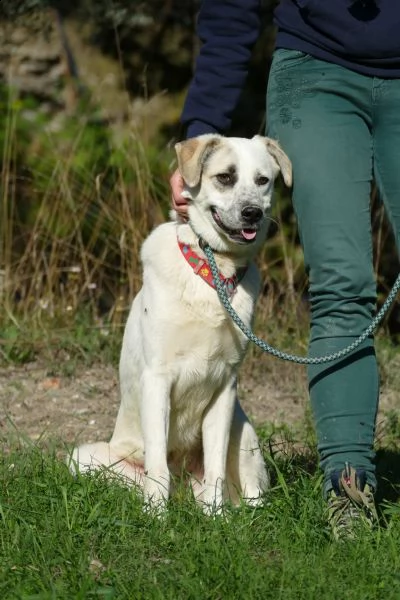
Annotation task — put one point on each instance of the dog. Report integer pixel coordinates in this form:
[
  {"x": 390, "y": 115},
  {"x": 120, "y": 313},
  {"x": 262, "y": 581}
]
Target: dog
[{"x": 179, "y": 413}]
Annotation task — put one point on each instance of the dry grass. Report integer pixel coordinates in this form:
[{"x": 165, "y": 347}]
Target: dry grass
[{"x": 70, "y": 234}]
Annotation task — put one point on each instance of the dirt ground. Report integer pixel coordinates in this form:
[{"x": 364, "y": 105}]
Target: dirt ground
[{"x": 83, "y": 407}]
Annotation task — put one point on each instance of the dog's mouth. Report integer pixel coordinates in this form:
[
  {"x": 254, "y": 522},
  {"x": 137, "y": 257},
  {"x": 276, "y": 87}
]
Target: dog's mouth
[{"x": 246, "y": 235}]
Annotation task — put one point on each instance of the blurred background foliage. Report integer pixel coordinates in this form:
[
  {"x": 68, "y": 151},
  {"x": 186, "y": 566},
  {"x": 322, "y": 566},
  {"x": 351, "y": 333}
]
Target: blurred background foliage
[{"x": 90, "y": 98}]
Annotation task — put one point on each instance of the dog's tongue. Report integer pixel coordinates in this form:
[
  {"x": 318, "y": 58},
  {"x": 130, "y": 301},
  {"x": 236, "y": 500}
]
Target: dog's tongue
[{"x": 249, "y": 234}]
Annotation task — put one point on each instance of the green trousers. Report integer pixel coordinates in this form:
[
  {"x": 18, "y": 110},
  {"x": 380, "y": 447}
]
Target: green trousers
[{"x": 341, "y": 130}]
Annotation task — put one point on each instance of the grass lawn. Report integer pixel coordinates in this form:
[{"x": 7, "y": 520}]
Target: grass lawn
[
  {"x": 75, "y": 538},
  {"x": 65, "y": 537}
]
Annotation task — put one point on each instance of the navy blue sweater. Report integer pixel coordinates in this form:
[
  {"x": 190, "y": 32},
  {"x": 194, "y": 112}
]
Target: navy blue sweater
[{"x": 363, "y": 35}]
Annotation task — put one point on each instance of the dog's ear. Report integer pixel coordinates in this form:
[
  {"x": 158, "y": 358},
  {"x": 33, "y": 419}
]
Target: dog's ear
[
  {"x": 280, "y": 157},
  {"x": 192, "y": 155}
]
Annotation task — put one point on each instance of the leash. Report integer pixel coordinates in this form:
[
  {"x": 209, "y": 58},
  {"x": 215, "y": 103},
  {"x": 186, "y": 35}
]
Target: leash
[{"x": 302, "y": 360}]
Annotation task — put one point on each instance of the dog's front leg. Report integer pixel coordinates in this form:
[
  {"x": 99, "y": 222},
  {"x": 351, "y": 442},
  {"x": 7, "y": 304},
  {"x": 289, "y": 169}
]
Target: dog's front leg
[
  {"x": 216, "y": 433},
  {"x": 247, "y": 474},
  {"x": 155, "y": 408}
]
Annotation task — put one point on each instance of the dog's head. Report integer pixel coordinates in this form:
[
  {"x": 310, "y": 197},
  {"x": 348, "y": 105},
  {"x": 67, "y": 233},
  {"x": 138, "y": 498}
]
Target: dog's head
[{"x": 229, "y": 184}]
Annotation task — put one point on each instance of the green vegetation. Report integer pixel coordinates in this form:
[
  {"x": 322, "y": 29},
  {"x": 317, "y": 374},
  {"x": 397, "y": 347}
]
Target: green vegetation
[{"x": 66, "y": 538}]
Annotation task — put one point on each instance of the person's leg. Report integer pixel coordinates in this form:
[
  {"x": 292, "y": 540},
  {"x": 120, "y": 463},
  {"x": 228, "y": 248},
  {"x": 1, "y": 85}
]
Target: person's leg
[
  {"x": 320, "y": 114},
  {"x": 386, "y": 136}
]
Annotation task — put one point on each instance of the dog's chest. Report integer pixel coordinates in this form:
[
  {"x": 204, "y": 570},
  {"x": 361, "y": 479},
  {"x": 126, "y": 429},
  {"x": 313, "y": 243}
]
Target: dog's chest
[
  {"x": 210, "y": 349},
  {"x": 183, "y": 324}
]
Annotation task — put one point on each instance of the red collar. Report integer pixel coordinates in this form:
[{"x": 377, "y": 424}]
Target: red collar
[{"x": 202, "y": 268}]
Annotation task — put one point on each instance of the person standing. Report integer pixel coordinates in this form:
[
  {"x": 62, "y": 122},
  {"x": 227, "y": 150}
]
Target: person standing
[{"x": 333, "y": 104}]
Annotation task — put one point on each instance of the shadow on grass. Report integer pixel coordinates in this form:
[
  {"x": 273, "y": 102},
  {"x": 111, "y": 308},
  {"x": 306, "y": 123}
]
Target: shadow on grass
[
  {"x": 290, "y": 458},
  {"x": 388, "y": 475}
]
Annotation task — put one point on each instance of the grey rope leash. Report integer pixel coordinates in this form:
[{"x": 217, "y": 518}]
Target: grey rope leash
[{"x": 303, "y": 360}]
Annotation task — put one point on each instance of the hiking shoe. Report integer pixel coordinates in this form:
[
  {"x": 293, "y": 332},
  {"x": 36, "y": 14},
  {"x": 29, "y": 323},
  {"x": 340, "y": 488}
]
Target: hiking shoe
[{"x": 350, "y": 503}]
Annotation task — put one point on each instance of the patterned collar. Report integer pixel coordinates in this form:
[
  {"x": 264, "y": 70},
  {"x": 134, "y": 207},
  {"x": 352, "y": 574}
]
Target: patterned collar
[{"x": 202, "y": 268}]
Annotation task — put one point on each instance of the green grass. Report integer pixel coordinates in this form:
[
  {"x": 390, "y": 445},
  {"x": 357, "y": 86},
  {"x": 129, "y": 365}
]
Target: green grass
[{"x": 65, "y": 537}]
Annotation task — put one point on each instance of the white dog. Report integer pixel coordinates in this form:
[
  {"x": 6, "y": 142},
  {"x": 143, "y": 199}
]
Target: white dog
[{"x": 179, "y": 411}]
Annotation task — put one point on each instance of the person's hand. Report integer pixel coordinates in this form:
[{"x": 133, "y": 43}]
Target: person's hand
[{"x": 179, "y": 202}]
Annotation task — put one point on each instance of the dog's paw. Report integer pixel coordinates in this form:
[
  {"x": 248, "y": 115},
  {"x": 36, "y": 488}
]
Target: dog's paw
[
  {"x": 155, "y": 506},
  {"x": 155, "y": 510},
  {"x": 254, "y": 502},
  {"x": 210, "y": 498},
  {"x": 156, "y": 493},
  {"x": 212, "y": 509}
]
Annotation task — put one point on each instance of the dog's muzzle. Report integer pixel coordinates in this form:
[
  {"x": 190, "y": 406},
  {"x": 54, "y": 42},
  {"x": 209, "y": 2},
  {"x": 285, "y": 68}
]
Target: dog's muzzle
[{"x": 247, "y": 233}]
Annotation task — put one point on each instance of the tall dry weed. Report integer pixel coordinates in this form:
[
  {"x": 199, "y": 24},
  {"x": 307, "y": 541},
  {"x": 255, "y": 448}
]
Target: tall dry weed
[{"x": 71, "y": 231}]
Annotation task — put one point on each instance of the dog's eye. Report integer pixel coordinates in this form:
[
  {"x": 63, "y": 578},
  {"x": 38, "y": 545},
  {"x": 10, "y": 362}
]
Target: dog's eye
[
  {"x": 262, "y": 180},
  {"x": 225, "y": 178}
]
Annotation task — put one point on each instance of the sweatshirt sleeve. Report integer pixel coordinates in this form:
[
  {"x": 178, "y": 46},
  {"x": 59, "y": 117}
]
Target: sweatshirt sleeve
[{"x": 228, "y": 30}]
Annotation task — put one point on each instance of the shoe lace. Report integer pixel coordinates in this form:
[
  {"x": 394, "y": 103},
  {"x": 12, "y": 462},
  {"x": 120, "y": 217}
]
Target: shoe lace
[
  {"x": 361, "y": 498},
  {"x": 351, "y": 506}
]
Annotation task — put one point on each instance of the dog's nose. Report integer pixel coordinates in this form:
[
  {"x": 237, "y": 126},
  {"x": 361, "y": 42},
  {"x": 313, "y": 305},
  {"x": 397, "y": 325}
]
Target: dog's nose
[{"x": 252, "y": 214}]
